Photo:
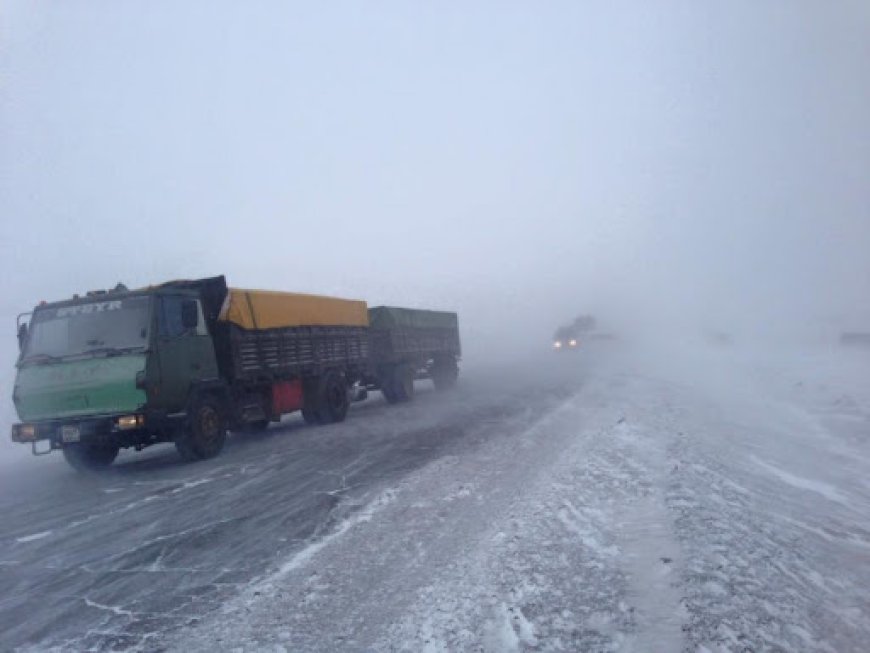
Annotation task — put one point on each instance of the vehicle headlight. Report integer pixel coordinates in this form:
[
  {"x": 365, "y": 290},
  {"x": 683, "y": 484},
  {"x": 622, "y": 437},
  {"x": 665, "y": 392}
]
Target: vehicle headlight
[
  {"x": 557, "y": 344},
  {"x": 23, "y": 432},
  {"x": 573, "y": 343},
  {"x": 130, "y": 422}
]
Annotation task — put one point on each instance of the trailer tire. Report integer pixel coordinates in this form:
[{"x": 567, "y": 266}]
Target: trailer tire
[
  {"x": 388, "y": 391},
  {"x": 90, "y": 457},
  {"x": 403, "y": 382},
  {"x": 445, "y": 371},
  {"x": 332, "y": 398},
  {"x": 206, "y": 432}
]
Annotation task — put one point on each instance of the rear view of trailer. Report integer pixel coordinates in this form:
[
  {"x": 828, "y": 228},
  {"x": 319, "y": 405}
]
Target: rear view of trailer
[{"x": 408, "y": 344}]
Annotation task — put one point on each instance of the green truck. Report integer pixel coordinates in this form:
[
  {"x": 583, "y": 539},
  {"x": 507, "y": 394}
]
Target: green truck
[{"x": 186, "y": 361}]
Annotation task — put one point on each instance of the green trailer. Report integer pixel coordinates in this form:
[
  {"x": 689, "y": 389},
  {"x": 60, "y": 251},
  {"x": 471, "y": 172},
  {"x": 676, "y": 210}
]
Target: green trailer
[{"x": 409, "y": 344}]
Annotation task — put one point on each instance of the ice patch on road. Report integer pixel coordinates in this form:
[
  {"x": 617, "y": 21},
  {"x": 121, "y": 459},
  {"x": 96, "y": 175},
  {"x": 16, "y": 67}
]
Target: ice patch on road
[
  {"x": 108, "y": 608},
  {"x": 265, "y": 586},
  {"x": 363, "y": 515},
  {"x": 35, "y": 536},
  {"x": 801, "y": 483},
  {"x": 189, "y": 484}
]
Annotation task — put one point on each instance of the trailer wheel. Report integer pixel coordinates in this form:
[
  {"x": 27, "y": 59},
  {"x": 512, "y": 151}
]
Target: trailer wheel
[
  {"x": 333, "y": 400},
  {"x": 89, "y": 457},
  {"x": 403, "y": 382},
  {"x": 444, "y": 373},
  {"x": 388, "y": 391},
  {"x": 205, "y": 433},
  {"x": 387, "y": 382}
]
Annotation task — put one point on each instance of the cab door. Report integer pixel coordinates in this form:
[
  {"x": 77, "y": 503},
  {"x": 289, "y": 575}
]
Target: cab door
[{"x": 185, "y": 351}]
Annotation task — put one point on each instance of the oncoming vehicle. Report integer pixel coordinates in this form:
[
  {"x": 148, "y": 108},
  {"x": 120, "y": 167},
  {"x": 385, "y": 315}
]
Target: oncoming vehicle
[
  {"x": 184, "y": 361},
  {"x": 566, "y": 338}
]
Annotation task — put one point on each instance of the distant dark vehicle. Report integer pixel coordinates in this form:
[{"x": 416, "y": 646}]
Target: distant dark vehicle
[
  {"x": 855, "y": 339},
  {"x": 566, "y": 338},
  {"x": 585, "y": 323},
  {"x": 719, "y": 338}
]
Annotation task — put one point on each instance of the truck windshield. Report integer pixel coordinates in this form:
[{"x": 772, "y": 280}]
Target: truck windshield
[{"x": 109, "y": 327}]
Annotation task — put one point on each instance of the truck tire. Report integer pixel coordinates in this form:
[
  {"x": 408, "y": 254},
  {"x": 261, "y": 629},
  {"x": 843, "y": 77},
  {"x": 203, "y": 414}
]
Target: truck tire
[
  {"x": 310, "y": 401},
  {"x": 205, "y": 433},
  {"x": 332, "y": 398},
  {"x": 310, "y": 415},
  {"x": 388, "y": 392},
  {"x": 89, "y": 457},
  {"x": 403, "y": 382},
  {"x": 387, "y": 383},
  {"x": 445, "y": 371}
]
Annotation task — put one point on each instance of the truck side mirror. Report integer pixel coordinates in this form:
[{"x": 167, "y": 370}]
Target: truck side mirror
[
  {"x": 189, "y": 314},
  {"x": 22, "y": 336}
]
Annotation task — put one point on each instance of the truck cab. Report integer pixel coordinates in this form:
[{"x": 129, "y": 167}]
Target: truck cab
[{"x": 109, "y": 370}]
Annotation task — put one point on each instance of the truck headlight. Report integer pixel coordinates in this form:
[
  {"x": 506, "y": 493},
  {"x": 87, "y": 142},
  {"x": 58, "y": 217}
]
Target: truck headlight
[
  {"x": 572, "y": 343},
  {"x": 127, "y": 422},
  {"x": 23, "y": 432},
  {"x": 557, "y": 345}
]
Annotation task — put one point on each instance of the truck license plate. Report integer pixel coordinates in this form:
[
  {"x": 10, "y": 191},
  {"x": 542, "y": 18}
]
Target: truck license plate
[{"x": 70, "y": 434}]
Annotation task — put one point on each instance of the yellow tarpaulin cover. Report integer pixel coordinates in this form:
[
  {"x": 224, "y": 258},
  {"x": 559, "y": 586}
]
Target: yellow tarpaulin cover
[{"x": 266, "y": 309}]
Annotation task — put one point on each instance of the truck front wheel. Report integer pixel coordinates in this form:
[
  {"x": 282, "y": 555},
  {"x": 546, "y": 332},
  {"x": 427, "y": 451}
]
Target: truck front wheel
[
  {"x": 205, "y": 433},
  {"x": 90, "y": 457}
]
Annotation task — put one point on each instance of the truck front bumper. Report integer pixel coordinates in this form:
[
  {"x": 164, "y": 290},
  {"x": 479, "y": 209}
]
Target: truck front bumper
[{"x": 124, "y": 430}]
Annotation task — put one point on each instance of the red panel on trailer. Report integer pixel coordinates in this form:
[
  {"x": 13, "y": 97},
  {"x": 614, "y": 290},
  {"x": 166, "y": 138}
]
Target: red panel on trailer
[{"x": 286, "y": 397}]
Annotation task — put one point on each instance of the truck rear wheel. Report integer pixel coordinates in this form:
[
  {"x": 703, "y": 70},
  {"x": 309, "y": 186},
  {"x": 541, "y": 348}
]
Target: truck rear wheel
[
  {"x": 310, "y": 416},
  {"x": 332, "y": 398},
  {"x": 310, "y": 401},
  {"x": 205, "y": 434},
  {"x": 90, "y": 457}
]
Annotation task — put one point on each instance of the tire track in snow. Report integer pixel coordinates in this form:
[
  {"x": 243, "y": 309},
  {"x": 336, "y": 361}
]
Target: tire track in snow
[{"x": 649, "y": 551}]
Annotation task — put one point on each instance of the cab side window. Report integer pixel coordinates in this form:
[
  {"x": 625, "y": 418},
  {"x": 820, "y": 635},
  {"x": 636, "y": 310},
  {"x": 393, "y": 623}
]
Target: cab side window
[
  {"x": 170, "y": 323},
  {"x": 169, "y": 317}
]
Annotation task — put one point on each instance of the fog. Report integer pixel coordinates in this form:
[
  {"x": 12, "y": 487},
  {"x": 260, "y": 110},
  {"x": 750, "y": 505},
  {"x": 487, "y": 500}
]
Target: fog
[
  {"x": 693, "y": 476},
  {"x": 671, "y": 167}
]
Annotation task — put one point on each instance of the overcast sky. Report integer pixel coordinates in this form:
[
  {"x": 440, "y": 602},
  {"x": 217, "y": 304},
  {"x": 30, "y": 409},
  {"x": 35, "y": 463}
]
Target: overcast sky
[{"x": 510, "y": 160}]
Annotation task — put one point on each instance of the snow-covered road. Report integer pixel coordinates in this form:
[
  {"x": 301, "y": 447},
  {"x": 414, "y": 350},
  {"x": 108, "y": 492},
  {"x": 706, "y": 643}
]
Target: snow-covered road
[{"x": 609, "y": 501}]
